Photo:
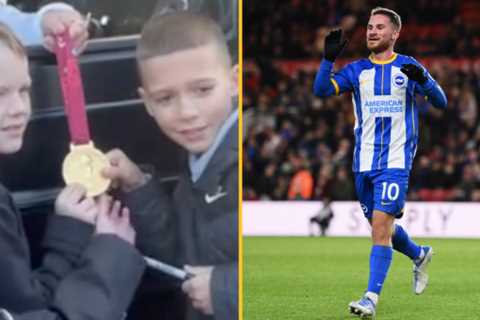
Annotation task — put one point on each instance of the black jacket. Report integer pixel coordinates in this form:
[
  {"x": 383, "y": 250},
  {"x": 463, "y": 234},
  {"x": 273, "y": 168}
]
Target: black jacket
[
  {"x": 81, "y": 277},
  {"x": 22, "y": 289},
  {"x": 101, "y": 288},
  {"x": 195, "y": 226}
]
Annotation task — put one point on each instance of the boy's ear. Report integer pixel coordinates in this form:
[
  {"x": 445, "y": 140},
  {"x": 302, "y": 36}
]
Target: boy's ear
[
  {"x": 146, "y": 102},
  {"x": 234, "y": 80}
]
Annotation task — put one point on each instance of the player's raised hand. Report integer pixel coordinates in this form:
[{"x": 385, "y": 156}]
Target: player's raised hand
[
  {"x": 334, "y": 44},
  {"x": 73, "y": 202},
  {"x": 197, "y": 288},
  {"x": 123, "y": 172},
  {"x": 414, "y": 72},
  {"x": 113, "y": 219}
]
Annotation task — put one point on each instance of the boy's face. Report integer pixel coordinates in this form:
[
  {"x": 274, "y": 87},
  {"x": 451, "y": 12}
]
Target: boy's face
[
  {"x": 14, "y": 100},
  {"x": 189, "y": 93}
]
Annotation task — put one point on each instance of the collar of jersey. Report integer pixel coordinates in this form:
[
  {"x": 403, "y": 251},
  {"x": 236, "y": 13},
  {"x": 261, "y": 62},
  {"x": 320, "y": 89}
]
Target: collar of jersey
[{"x": 390, "y": 60}]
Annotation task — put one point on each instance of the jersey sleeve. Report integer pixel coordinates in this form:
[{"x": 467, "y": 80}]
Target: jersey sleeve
[
  {"x": 327, "y": 84},
  {"x": 431, "y": 90}
]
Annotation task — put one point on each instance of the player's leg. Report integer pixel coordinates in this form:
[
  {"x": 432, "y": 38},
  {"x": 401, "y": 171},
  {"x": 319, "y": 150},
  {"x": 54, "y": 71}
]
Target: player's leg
[
  {"x": 364, "y": 307},
  {"x": 380, "y": 261},
  {"x": 394, "y": 185},
  {"x": 312, "y": 225},
  {"x": 420, "y": 275},
  {"x": 420, "y": 255},
  {"x": 390, "y": 187},
  {"x": 389, "y": 191},
  {"x": 398, "y": 181},
  {"x": 325, "y": 224},
  {"x": 402, "y": 243},
  {"x": 364, "y": 190},
  {"x": 382, "y": 252},
  {"x": 323, "y": 227}
]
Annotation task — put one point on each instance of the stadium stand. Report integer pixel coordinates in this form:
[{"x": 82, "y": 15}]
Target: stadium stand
[{"x": 290, "y": 130}]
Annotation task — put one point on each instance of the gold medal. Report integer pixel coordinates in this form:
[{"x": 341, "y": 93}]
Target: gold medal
[{"x": 83, "y": 165}]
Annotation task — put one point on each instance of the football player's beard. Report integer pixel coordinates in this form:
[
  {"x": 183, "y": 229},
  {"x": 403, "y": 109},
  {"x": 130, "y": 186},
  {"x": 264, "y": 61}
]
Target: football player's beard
[{"x": 380, "y": 47}]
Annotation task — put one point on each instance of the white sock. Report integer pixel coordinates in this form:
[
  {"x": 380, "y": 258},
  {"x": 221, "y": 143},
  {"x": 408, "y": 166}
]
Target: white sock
[{"x": 372, "y": 296}]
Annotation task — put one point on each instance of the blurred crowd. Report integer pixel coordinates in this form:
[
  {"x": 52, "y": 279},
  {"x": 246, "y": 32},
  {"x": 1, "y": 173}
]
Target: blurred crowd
[
  {"x": 300, "y": 147},
  {"x": 295, "y": 29}
]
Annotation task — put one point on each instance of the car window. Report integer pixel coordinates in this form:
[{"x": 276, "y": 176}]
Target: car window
[{"x": 109, "y": 19}]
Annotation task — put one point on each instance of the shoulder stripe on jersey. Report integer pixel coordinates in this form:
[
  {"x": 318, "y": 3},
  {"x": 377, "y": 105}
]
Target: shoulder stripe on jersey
[{"x": 335, "y": 84}]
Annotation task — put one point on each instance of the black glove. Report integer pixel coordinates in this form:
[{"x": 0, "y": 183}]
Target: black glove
[
  {"x": 334, "y": 45},
  {"x": 414, "y": 73}
]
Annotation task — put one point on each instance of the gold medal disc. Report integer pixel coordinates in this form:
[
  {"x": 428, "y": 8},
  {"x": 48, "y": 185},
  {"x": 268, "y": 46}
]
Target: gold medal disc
[{"x": 83, "y": 165}]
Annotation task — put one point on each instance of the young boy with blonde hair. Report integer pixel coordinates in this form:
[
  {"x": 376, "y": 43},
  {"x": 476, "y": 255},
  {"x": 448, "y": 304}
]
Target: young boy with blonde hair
[{"x": 85, "y": 241}]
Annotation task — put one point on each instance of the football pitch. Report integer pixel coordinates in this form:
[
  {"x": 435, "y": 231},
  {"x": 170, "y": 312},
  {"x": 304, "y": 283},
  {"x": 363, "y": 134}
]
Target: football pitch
[{"x": 315, "y": 279}]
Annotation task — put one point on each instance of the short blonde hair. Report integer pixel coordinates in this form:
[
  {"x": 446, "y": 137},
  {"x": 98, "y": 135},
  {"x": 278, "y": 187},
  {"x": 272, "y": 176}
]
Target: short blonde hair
[
  {"x": 177, "y": 31},
  {"x": 394, "y": 17},
  {"x": 8, "y": 39}
]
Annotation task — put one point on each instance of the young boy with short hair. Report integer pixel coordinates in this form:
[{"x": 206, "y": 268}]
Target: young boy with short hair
[{"x": 188, "y": 87}]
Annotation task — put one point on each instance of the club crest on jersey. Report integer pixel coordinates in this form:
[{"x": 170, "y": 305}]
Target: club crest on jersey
[
  {"x": 364, "y": 208},
  {"x": 399, "y": 80}
]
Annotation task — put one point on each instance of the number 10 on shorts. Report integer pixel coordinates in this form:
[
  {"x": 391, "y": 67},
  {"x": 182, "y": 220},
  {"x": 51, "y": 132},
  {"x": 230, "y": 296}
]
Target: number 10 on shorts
[{"x": 390, "y": 191}]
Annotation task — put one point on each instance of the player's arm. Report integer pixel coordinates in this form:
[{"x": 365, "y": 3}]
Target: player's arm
[
  {"x": 325, "y": 85},
  {"x": 427, "y": 86}
]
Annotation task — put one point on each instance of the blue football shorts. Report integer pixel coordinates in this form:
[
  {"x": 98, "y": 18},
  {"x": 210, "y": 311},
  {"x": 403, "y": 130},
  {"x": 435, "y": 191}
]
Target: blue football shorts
[{"x": 383, "y": 190}]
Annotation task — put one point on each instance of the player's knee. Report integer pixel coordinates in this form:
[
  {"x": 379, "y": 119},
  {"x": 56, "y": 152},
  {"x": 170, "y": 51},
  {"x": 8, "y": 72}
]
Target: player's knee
[{"x": 381, "y": 234}]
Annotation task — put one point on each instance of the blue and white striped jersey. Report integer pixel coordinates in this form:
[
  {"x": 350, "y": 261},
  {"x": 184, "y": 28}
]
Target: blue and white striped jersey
[{"x": 386, "y": 117}]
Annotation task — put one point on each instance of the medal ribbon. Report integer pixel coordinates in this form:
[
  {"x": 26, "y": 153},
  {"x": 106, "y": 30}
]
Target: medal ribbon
[{"x": 72, "y": 90}]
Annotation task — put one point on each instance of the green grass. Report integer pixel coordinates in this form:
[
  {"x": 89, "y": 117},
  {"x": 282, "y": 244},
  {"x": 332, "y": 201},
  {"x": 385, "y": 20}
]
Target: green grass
[{"x": 316, "y": 278}]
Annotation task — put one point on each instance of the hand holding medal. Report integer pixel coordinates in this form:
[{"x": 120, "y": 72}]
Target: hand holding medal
[{"x": 84, "y": 163}]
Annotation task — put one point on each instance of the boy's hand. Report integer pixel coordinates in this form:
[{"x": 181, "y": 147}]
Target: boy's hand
[
  {"x": 112, "y": 219},
  {"x": 123, "y": 172},
  {"x": 55, "y": 22},
  {"x": 72, "y": 202},
  {"x": 198, "y": 288},
  {"x": 334, "y": 45}
]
